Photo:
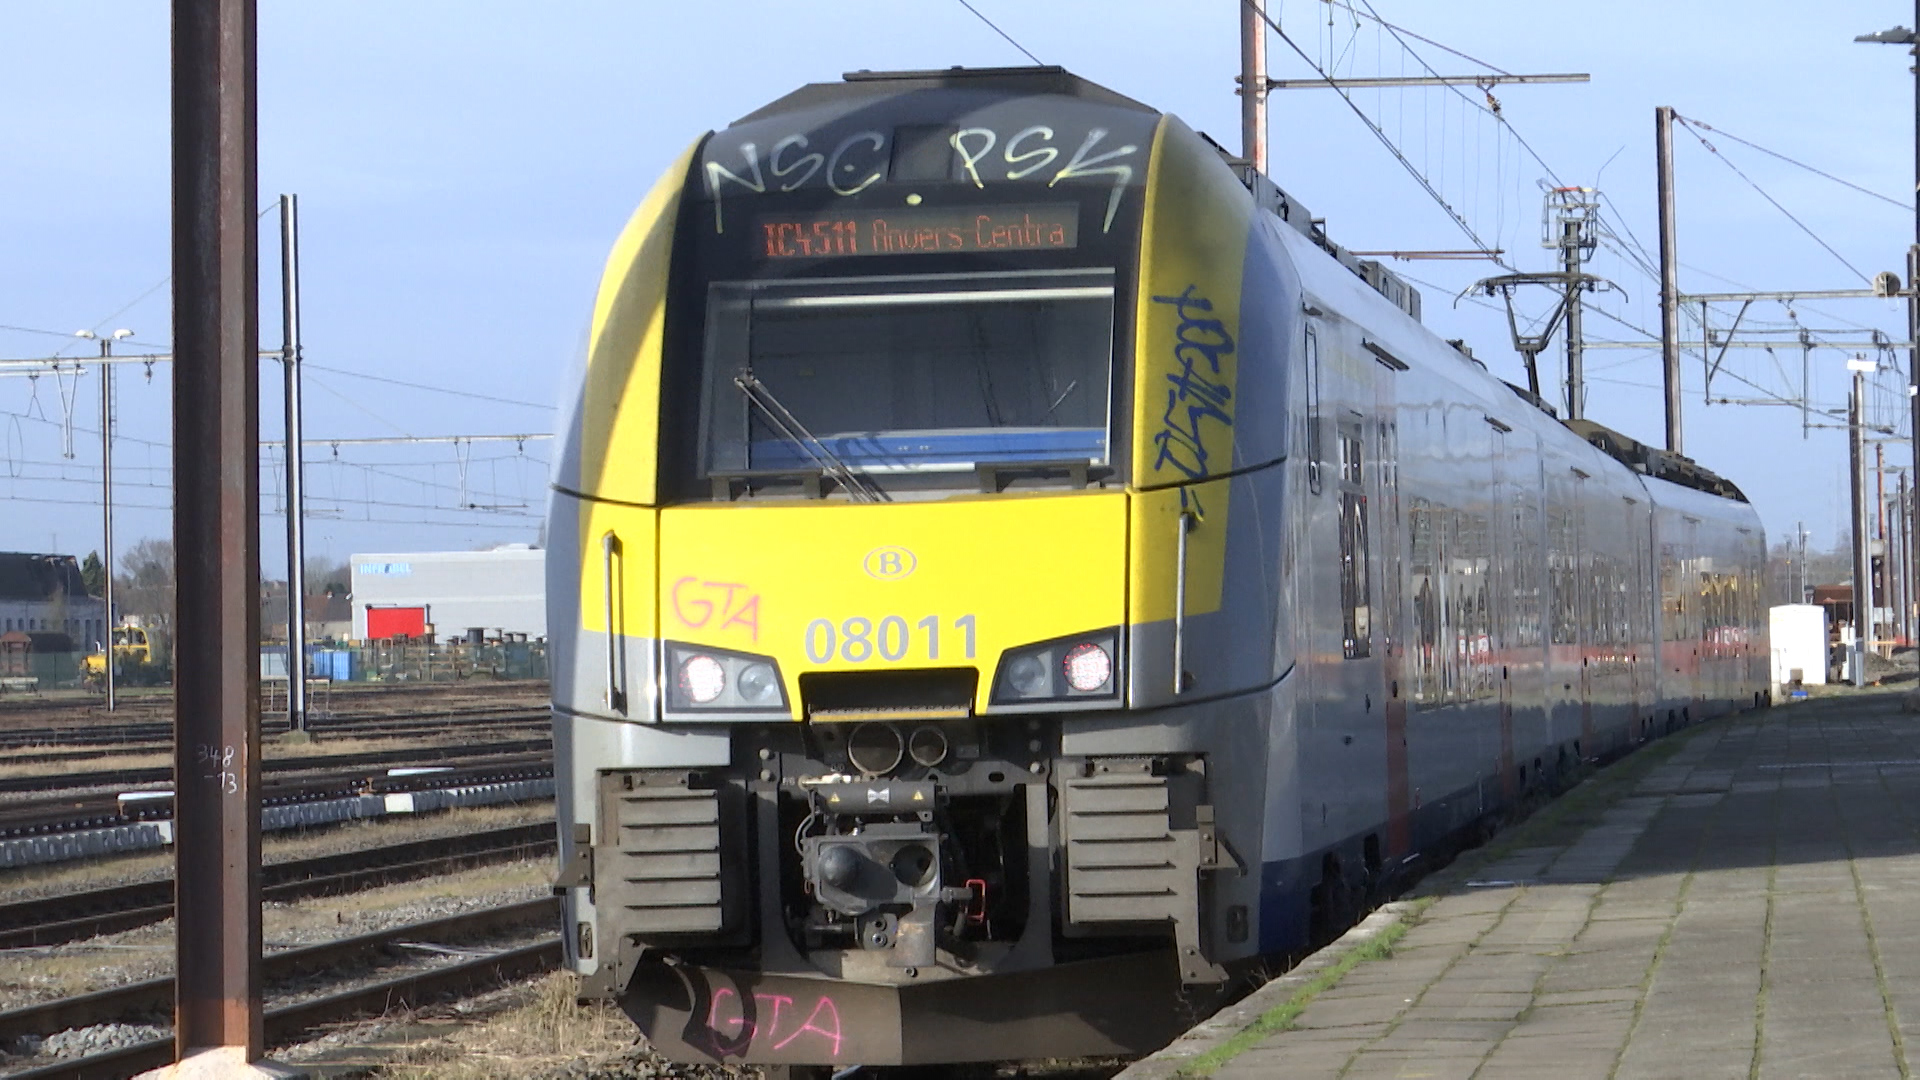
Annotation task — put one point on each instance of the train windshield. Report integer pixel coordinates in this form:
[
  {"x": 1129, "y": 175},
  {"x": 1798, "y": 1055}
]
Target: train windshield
[{"x": 921, "y": 374}]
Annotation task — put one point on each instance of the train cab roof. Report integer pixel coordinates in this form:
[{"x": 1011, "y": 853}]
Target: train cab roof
[
  {"x": 1045, "y": 79},
  {"x": 1654, "y": 462}
]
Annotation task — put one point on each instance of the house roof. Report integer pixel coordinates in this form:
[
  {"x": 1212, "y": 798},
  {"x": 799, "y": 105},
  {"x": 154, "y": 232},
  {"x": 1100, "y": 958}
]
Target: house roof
[{"x": 26, "y": 576}]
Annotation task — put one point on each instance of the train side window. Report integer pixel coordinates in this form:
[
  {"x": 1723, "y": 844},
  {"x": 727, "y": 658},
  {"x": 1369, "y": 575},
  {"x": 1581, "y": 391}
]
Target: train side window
[
  {"x": 1355, "y": 588},
  {"x": 1312, "y": 353},
  {"x": 1423, "y": 545},
  {"x": 1388, "y": 465},
  {"x": 1350, "y": 456},
  {"x": 1356, "y": 593},
  {"x": 1562, "y": 577},
  {"x": 1672, "y": 603}
]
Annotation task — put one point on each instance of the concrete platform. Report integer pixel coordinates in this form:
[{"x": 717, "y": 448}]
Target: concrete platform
[{"x": 1739, "y": 900}]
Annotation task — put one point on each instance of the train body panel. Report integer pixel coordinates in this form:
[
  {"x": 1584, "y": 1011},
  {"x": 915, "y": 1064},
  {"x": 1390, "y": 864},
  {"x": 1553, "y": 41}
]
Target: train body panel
[
  {"x": 940, "y": 585},
  {"x": 1711, "y": 558},
  {"x": 1042, "y": 563}
]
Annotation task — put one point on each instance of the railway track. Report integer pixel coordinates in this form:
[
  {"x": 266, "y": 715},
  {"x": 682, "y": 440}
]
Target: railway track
[
  {"x": 157, "y": 735},
  {"x": 41, "y": 817},
  {"x": 310, "y": 763},
  {"x": 360, "y": 700},
  {"x": 290, "y": 1022},
  {"x": 52, "y": 920}
]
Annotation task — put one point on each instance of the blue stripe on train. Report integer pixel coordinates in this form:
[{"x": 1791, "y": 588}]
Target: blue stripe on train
[{"x": 903, "y": 449}]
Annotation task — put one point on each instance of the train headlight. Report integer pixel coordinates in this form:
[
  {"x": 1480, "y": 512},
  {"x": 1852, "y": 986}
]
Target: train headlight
[
  {"x": 702, "y": 679},
  {"x": 758, "y": 685},
  {"x": 1072, "y": 672},
  {"x": 705, "y": 683},
  {"x": 1027, "y": 677},
  {"x": 1088, "y": 667}
]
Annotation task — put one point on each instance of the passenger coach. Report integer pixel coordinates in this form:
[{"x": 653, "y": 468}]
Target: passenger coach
[{"x": 1010, "y": 571}]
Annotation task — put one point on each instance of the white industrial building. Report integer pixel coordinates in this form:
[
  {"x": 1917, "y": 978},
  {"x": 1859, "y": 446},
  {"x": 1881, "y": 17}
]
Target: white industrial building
[{"x": 451, "y": 593}]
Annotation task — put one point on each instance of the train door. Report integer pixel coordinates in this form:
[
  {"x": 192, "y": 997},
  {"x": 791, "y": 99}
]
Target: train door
[
  {"x": 1499, "y": 588},
  {"x": 1579, "y": 581},
  {"x": 1364, "y": 637},
  {"x": 1390, "y": 617},
  {"x": 1692, "y": 582},
  {"x": 1309, "y": 592},
  {"x": 1638, "y": 622}
]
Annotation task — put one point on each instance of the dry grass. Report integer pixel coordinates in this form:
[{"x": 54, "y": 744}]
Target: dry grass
[
  {"x": 330, "y": 916},
  {"x": 64, "y": 768},
  {"x": 548, "y": 1030},
  {"x": 26, "y": 977}
]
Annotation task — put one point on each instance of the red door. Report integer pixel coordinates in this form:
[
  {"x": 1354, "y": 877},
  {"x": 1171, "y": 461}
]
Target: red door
[{"x": 392, "y": 622}]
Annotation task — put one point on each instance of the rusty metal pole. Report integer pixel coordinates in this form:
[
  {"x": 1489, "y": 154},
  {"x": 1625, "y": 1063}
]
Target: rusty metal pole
[
  {"x": 1253, "y": 83},
  {"x": 1669, "y": 275},
  {"x": 216, "y": 532}
]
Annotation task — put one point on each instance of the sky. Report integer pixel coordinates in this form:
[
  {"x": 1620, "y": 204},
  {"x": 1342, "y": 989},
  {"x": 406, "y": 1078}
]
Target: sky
[{"x": 463, "y": 168}]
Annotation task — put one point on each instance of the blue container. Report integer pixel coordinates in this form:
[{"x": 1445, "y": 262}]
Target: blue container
[{"x": 335, "y": 664}]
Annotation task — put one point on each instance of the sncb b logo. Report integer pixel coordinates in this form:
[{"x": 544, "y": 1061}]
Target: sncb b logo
[{"x": 887, "y": 563}]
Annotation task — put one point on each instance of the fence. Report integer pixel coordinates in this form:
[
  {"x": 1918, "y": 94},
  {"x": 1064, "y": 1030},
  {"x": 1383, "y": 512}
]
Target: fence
[
  {"x": 414, "y": 661},
  {"x": 38, "y": 671}
]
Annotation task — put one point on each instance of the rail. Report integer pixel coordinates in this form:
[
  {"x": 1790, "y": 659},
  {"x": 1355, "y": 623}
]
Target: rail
[
  {"x": 68, "y": 813},
  {"x": 159, "y": 774},
  {"x": 76, "y": 916},
  {"x": 288, "y": 1023},
  {"x": 139, "y": 735}
]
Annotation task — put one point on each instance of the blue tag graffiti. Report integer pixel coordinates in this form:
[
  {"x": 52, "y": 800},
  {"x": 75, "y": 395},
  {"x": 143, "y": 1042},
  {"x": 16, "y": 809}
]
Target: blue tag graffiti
[{"x": 1194, "y": 399}]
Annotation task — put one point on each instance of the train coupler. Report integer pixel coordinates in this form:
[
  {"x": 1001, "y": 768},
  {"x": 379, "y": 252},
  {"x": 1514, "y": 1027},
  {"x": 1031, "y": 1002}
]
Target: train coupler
[{"x": 878, "y": 867}]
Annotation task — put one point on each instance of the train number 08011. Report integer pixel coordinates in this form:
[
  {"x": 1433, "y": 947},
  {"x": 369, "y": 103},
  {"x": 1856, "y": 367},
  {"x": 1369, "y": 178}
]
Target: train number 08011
[{"x": 856, "y": 640}]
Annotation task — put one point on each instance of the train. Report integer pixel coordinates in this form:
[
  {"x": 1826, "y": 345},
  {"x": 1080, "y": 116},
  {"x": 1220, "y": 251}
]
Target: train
[{"x": 1011, "y": 574}]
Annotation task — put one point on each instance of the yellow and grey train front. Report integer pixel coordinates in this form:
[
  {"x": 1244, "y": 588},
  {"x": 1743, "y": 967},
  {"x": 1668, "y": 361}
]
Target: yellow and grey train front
[{"x": 875, "y": 501}]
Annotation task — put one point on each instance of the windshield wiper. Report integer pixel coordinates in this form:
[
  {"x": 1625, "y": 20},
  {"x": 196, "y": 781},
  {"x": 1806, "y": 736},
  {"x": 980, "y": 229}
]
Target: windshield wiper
[
  {"x": 1064, "y": 395},
  {"x": 788, "y": 427}
]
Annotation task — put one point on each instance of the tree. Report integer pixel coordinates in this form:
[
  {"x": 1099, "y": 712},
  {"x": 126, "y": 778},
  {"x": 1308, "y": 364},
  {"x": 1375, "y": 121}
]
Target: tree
[
  {"x": 146, "y": 582},
  {"x": 328, "y": 575},
  {"x": 93, "y": 575}
]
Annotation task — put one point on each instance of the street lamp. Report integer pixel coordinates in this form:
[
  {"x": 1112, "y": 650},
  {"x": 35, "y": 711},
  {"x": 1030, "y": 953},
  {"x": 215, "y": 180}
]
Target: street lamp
[
  {"x": 1900, "y": 35},
  {"x": 106, "y": 483}
]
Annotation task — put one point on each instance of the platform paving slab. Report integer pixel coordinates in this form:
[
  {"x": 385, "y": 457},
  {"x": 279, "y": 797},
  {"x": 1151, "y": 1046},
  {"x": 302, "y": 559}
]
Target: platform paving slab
[{"x": 1734, "y": 900}]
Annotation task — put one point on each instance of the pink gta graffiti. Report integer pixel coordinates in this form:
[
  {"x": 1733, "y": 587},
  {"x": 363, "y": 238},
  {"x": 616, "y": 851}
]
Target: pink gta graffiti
[
  {"x": 822, "y": 1023},
  {"x": 697, "y": 603}
]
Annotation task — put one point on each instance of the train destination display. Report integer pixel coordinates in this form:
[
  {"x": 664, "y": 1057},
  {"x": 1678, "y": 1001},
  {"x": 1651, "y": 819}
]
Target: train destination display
[{"x": 922, "y": 231}]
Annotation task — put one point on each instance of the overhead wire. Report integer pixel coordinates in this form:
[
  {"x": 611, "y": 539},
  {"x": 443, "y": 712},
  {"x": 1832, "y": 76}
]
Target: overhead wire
[
  {"x": 1398, "y": 30},
  {"x": 1750, "y": 288},
  {"x": 1398, "y": 35},
  {"x": 36, "y": 330},
  {"x": 1613, "y": 225},
  {"x": 1775, "y": 202},
  {"x": 359, "y": 407},
  {"x": 423, "y": 386},
  {"x": 996, "y": 29},
  {"x": 17, "y": 466},
  {"x": 1419, "y": 177},
  {"x": 1704, "y": 126}
]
